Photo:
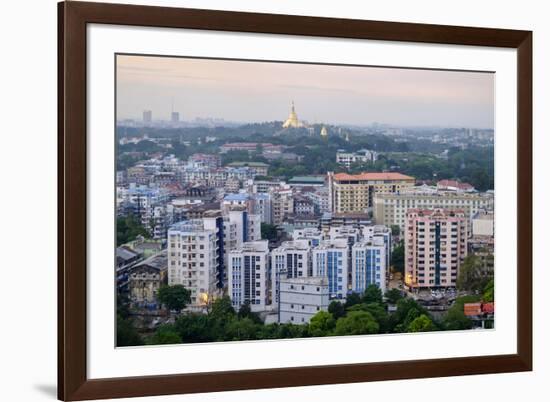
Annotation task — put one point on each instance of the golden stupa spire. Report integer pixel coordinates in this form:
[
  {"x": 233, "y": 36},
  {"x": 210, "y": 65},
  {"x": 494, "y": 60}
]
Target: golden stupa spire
[{"x": 292, "y": 120}]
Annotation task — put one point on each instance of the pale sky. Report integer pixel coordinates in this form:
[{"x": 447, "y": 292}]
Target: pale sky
[{"x": 262, "y": 91}]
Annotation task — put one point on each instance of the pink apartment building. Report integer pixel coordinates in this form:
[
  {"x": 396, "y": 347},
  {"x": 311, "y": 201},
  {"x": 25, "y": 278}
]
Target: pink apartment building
[{"x": 435, "y": 246}]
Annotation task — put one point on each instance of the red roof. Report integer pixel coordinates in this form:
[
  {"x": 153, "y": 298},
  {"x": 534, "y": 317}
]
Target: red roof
[{"x": 372, "y": 176}]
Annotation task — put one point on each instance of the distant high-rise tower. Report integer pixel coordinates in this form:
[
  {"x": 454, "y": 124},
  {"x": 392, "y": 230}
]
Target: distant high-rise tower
[
  {"x": 147, "y": 116},
  {"x": 174, "y": 116}
]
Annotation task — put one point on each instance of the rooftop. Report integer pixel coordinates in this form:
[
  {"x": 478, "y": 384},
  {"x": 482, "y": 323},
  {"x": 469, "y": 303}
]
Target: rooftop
[
  {"x": 250, "y": 164},
  {"x": 307, "y": 179},
  {"x": 158, "y": 261},
  {"x": 307, "y": 280},
  {"x": 236, "y": 197},
  {"x": 372, "y": 176},
  {"x": 436, "y": 212}
]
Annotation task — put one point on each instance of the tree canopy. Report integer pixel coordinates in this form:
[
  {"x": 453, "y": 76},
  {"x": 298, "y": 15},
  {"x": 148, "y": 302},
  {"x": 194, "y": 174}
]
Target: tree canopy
[
  {"x": 356, "y": 323},
  {"x": 474, "y": 274},
  {"x": 321, "y": 324},
  {"x": 174, "y": 297},
  {"x": 128, "y": 229}
]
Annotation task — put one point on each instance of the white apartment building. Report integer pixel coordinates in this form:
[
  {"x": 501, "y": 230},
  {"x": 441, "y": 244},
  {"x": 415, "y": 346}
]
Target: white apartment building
[
  {"x": 262, "y": 206},
  {"x": 312, "y": 235},
  {"x": 368, "y": 265},
  {"x": 248, "y": 275},
  {"x": 302, "y": 298},
  {"x": 193, "y": 259},
  {"x": 292, "y": 259},
  {"x": 374, "y": 232},
  {"x": 362, "y": 156},
  {"x": 391, "y": 209},
  {"x": 320, "y": 198},
  {"x": 330, "y": 259},
  {"x": 348, "y": 234}
]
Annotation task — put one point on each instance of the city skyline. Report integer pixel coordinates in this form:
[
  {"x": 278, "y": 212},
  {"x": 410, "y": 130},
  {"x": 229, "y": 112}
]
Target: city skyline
[{"x": 245, "y": 91}]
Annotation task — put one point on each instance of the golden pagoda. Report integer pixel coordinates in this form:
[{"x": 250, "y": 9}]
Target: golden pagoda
[
  {"x": 292, "y": 120},
  {"x": 324, "y": 132}
]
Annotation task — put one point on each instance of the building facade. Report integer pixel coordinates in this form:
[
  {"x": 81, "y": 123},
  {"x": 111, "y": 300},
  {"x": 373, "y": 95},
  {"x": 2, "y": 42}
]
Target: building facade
[
  {"x": 347, "y": 159},
  {"x": 355, "y": 193},
  {"x": 435, "y": 246},
  {"x": 391, "y": 209},
  {"x": 330, "y": 260},
  {"x": 290, "y": 260},
  {"x": 368, "y": 265},
  {"x": 195, "y": 259},
  {"x": 248, "y": 276},
  {"x": 302, "y": 298},
  {"x": 146, "y": 278}
]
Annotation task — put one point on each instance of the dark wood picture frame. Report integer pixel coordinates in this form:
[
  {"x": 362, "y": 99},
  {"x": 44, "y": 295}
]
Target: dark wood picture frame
[{"x": 73, "y": 383}]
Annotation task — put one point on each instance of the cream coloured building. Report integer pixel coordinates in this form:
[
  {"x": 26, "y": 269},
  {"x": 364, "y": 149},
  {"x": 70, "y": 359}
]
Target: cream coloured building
[
  {"x": 356, "y": 192},
  {"x": 391, "y": 209}
]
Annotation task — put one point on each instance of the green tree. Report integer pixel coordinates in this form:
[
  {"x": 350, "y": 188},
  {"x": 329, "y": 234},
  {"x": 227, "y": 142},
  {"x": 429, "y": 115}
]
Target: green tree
[
  {"x": 128, "y": 229},
  {"x": 393, "y": 295},
  {"x": 174, "y": 297},
  {"x": 381, "y": 316},
  {"x": 455, "y": 319},
  {"x": 246, "y": 312},
  {"x": 269, "y": 231},
  {"x": 222, "y": 309},
  {"x": 489, "y": 291},
  {"x": 372, "y": 294},
  {"x": 421, "y": 323},
  {"x": 337, "y": 309},
  {"x": 292, "y": 331},
  {"x": 356, "y": 323},
  {"x": 395, "y": 230},
  {"x": 321, "y": 324},
  {"x": 398, "y": 257},
  {"x": 352, "y": 299},
  {"x": 407, "y": 310},
  {"x": 123, "y": 305},
  {"x": 196, "y": 328},
  {"x": 126, "y": 334},
  {"x": 474, "y": 274},
  {"x": 241, "y": 329},
  {"x": 165, "y": 335}
]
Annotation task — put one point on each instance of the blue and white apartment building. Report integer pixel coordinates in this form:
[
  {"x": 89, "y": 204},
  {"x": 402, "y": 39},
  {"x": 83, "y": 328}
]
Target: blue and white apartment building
[
  {"x": 330, "y": 259},
  {"x": 368, "y": 265}
]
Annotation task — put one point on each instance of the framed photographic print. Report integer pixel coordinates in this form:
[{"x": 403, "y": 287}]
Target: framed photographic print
[{"x": 253, "y": 200}]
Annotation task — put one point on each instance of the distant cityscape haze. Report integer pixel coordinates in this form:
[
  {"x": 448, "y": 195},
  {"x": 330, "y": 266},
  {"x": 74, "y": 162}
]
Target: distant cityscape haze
[{"x": 245, "y": 91}]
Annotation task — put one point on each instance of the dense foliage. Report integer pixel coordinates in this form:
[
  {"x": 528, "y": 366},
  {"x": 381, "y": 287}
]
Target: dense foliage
[
  {"x": 419, "y": 158},
  {"x": 475, "y": 273},
  {"x": 174, "y": 297},
  {"x": 398, "y": 257},
  {"x": 128, "y": 228}
]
